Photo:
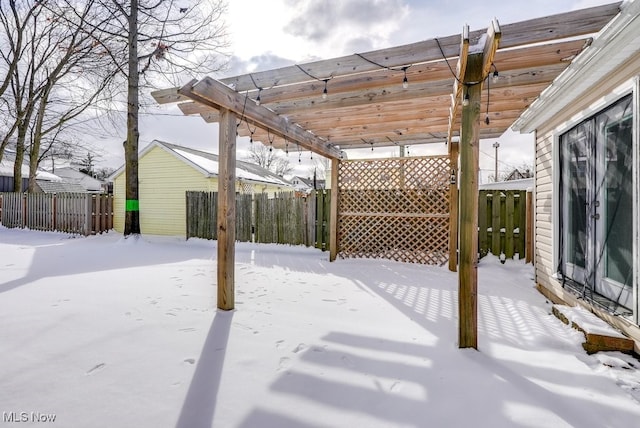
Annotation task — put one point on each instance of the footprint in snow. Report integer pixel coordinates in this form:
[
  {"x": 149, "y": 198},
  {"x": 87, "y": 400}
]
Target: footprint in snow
[
  {"x": 279, "y": 344},
  {"x": 300, "y": 347},
  {"x": 284, "y": 363},
  {"x": 189, "y": 360},
  {"x": 95, "y": 369}
]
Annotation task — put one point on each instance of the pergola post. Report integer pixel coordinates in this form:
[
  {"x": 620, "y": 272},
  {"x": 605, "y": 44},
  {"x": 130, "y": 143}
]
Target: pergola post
[
  {"x": 226, "y": 209},
  {"x": 333, "y": 218},
  {"x": 453, "y": 209},
  {"x": 469, "y": 150}
]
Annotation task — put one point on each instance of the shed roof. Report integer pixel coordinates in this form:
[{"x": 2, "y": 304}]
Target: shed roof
[
  {"x": 207, "y": 164},
  {"x": 366, "y": 104},
  {"x": 6, "y": 170}
]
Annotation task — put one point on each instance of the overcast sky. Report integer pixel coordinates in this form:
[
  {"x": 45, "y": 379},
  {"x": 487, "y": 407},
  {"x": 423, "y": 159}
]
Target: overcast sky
[{"x": 276, "y": 33}]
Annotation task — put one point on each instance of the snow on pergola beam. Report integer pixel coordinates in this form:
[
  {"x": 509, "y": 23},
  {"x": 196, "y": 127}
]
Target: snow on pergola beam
[
  {"x": 363, "y": 96},
  {"x": 215, "y": 94}
]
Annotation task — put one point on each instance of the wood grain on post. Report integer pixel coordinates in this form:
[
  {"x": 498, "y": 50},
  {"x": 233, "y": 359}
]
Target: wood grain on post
[{"x": 226, "y": 210}]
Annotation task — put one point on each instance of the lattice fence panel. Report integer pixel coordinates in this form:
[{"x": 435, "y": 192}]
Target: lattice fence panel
[{"x": 395, "y": 208}]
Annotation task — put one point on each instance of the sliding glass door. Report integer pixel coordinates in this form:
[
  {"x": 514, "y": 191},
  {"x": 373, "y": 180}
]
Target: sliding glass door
[{"x": 596, "y": 186}]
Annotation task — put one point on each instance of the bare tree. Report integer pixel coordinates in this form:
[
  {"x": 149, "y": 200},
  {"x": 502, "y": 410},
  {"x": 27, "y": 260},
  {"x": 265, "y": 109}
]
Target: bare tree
[
  {"x": 150, "y": 40},
  {"x": 13, "y": 24},
  {"x": 270, "y": 159},
  {"x": 56, "y": 74}
]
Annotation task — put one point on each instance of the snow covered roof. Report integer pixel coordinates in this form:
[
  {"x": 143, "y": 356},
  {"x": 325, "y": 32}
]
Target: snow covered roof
[
  {"x": 6, "y": 170},
  {"x": 60, "y": 187},
  {"x": 71, "y": 175},
  {"x": 207, "y": 163},
  {"x": 523, "y": 184}
]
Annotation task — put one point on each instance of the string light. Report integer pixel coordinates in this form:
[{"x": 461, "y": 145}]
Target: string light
[
  {"x": 251, "y": 131},
  {"x": 465, "y": 100},
  {"x": 486, "y": 119},
  {"x": 299, "y": 154},
  {"x": 495, "y": 73},
  {"x": 258, "y": 101},
  {"x": 404, "y": 68},
  {"x": 324, "y": 91},
  {"x": 270, "y": 138}
]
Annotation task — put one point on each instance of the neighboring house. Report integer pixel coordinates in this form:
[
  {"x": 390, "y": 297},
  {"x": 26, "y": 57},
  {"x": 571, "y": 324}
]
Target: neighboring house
[
  {"x": 306, "y": 185},
  {"x": 587, "y": 188},
  {"x": 516, "y": 174},
  {"x": 85, "y": 181},
  {"x": 44, "y": 179},
  {"x": 166, "y": 171},
  {"x": 523, "y": 184}
]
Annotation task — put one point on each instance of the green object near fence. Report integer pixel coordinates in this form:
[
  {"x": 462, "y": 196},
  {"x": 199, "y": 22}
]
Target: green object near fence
[{"x": 132, "y": 205}]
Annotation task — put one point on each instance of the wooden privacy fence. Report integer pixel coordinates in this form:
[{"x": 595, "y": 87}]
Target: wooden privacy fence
[
  {"x": 282, "y": 219},
  {"x": 504, "y": 223},
  {"x": 395, "y": 208},
  {"x": 81, "y": 213}
]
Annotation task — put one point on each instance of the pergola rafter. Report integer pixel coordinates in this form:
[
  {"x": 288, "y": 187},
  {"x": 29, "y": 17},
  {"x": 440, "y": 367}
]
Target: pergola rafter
[{"x": 367, "y": 106}]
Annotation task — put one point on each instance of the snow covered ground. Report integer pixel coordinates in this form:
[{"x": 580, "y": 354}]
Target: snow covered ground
[{"x": 107, "y": 332}]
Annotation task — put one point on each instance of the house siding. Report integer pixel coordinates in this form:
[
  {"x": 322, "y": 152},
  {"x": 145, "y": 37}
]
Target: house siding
[
  {"x": 163, "y": 182},
  {"x": 164, "y": 179},
  {"x": 602, "y": 94},
  {"x": 545, "y": 181}
]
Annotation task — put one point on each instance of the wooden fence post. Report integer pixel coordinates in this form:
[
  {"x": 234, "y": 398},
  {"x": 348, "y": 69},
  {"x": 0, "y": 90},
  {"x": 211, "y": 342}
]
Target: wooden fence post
[
  {"x": 529, "y": 232},
  {"x": 453, "y": 209},
  {"x": 508, "y": 226},
  {"x": 24, "y": 210},
  {"x": 88, "y": 215},
  {"x": 54, "y": 211},
  {"x": 333, "y": 220}
]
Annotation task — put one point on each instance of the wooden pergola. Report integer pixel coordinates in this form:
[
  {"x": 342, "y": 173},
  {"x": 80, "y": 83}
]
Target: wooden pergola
[{"x": 452, "y": 90}]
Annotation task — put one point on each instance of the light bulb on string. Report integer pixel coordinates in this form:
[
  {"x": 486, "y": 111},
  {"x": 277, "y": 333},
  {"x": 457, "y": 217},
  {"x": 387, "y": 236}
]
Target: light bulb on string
[
  {"x": 487, "y": 120},
  {"x": 258, "y": 100},
  {"x": 495, "y": 75},
  {"x": 405, "y": 81},
  {"x": 325, "y": 93},
  {"x": 465, "y": 100}
]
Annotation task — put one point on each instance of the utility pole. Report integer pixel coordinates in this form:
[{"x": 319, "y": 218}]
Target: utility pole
[{"x": 496, "y": 145}]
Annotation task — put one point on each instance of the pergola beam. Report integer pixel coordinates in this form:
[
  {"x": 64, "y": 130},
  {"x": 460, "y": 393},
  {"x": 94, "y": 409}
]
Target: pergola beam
[
  {"x": 215, "y": 94},
  {"x": 461, "y": 69},
  {"x": 529, "y": 32}
]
